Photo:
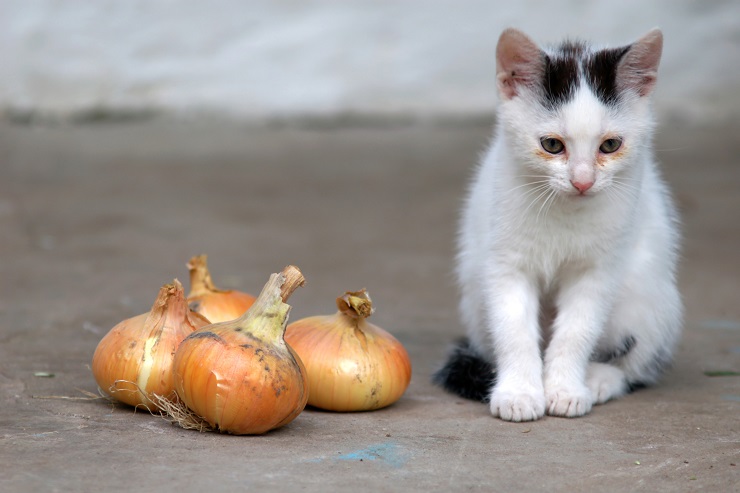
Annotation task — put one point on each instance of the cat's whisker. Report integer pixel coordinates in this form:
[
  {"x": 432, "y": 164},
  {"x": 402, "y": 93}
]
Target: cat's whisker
[
  {"x": 540, "y": 189},
  {"x": 547, "y": 199},
  {"x": 631, "y": 193},
  {"x": 545, "y": 178},
  {"x": 521, "y": 197},
  {"x": 556, "y": 197},
  {"x": 612, "y": 195},
  {"x": 625, "y": 180},
  {"x": 628, "y": 191},
  {"x": 616, "y": 194},
  {"x": 527, "y": 184},
  {"x": 534, "y": 190},
  {"x": 534, "y": 201}
]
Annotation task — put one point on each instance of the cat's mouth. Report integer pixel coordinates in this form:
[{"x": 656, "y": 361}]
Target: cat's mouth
[{"x": 579, "y": 195}]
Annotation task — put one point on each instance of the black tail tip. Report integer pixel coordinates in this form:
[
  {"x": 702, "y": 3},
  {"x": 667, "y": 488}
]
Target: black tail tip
[{"x": 466, "y": 373}]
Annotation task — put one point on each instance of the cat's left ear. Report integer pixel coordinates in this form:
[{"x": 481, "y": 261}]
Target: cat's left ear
[{"x": 638, "y": 69}]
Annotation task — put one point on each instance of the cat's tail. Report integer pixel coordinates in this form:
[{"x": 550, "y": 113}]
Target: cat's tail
[{"x": 466, "y": 373}]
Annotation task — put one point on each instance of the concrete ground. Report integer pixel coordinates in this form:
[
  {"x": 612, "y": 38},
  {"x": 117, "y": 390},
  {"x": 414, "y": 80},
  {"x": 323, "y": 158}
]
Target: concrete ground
[{"x": 96, "y": 217}]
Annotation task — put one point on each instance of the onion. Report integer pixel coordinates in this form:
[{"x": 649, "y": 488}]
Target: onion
[
  {"x": 239, "y": 375},
  {"x": 215, "y": 304},
  {"x": 134, "y": 360},
  {"x": 352, "y": 364}
]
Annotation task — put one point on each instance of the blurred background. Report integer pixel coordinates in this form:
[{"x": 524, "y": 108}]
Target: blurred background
[
  {"x": 338, "y": 136},
  {"x": 367, "y": 59}
]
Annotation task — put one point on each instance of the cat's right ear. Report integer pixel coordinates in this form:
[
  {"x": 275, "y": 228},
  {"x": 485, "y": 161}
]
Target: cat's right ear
[{"x": 519, "y": 63}]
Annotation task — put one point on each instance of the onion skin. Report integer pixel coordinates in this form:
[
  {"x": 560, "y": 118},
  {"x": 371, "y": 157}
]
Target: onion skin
[
  {"x": 239, "y": 375},
  {"x": 352, "y": 365},
  {"x": 134, "y": 360},
  {"x": 217, "y": 305}
]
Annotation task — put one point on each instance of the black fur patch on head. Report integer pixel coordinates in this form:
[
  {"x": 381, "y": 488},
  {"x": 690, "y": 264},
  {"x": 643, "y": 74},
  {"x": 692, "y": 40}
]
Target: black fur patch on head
[
  {"x": 561, "y": 74},
  {"x": 466, "y": 373},
  {"x": 601, "y": 73}
]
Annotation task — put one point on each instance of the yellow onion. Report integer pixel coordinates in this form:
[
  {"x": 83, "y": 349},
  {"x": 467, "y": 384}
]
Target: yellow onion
[
  {"x": 217, "y": 305},
  {"x": 239, "y": 375},
  {"x": 352, "y": 364},
  {"x": 134, "y": 360}
]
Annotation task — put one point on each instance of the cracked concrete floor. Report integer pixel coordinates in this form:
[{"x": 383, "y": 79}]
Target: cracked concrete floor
[{"x": 95, "y": 218}]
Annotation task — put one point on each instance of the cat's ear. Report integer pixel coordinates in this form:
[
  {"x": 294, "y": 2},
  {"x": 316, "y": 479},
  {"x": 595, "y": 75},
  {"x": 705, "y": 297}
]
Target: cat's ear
[
  {"x": 638, "y": 69},
  {"x": 519, "y": 63}
]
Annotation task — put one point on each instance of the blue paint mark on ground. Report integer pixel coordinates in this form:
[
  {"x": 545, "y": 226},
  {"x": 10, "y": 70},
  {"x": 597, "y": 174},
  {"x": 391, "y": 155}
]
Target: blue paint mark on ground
[
  {"x": 730, "y": 397},
  {"x": 720, "y": 324},
  {"x": 389, "y": 453}
]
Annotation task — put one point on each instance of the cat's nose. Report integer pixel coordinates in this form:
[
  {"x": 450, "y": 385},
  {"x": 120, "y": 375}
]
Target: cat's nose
[{"x": 582, "y": 186}]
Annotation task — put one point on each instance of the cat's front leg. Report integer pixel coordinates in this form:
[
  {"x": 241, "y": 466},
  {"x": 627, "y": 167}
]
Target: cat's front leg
[
  {"x": 513, "y": 305},
  {"x": 583, "y": 303}
]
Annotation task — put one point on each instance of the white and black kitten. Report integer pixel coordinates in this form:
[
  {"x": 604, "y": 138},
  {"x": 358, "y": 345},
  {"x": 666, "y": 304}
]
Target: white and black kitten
[{"x": 569, "y": 239}]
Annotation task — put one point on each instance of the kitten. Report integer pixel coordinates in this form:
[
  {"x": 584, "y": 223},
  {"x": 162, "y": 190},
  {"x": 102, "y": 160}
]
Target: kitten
[{"x": 569, "y": 239}]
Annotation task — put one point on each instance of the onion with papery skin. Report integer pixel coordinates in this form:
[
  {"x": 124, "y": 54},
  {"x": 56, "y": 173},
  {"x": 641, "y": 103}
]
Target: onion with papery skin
[
  {"x": 217, "y": 305},
  {"x": 352, "y": 364},
  {"x": 134, "y": 360},
  {"x": 240, "y": 376}
]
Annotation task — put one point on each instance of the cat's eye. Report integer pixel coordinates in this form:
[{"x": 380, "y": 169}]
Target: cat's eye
[
  {"x": 552, "y": 145},
  {"x": 611, "y": 145}
]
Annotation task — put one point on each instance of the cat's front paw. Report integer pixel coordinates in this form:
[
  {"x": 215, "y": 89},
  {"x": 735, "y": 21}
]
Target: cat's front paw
[
  {"x": 517, "y": 406},
  {"x": 568, "y": 402}
]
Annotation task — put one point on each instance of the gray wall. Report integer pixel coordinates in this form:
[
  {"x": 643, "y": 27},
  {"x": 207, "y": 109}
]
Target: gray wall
[{"x": 285, "y": 59}]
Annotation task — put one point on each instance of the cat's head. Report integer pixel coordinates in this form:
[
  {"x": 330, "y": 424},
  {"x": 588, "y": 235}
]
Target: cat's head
[{"x": 578, "y": 115}]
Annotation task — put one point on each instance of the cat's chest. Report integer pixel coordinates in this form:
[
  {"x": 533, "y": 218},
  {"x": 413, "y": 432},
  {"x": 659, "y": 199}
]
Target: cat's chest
[{"x": 564, "y": 237}]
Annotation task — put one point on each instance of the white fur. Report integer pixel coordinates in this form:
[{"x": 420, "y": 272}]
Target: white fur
[{"x": 605, "y": 261}]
